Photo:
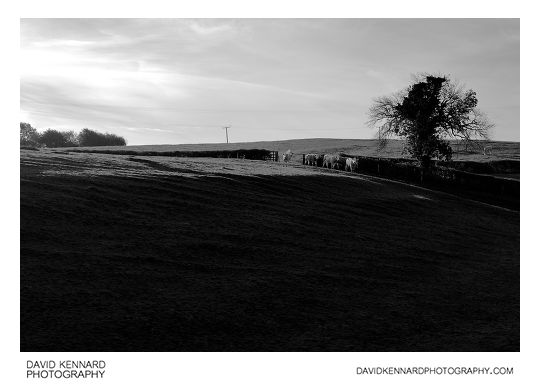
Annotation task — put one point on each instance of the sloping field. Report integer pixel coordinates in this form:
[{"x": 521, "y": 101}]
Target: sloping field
[
  {"x": 129, "y": 253},
  {"x": 365, "y": 147}
]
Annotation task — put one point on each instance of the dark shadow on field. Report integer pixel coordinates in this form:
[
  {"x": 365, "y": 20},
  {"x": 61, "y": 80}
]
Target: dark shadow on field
[{"x": 305, "y": 263}]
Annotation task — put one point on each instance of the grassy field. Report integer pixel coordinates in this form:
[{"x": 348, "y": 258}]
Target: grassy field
[
  {"x": 133, "y": 253},
  {"x": 365, "y": 147}
]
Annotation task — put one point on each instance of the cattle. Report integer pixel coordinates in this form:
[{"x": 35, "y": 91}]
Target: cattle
[
  {"x": 331, "y": 161},
  {"x": 287, "y": 156},
  {"x": 311, "y": 159},
  {"x": 351, "y": 164}
]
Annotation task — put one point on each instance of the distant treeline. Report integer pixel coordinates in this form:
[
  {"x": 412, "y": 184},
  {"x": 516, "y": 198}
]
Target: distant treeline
[{"x": 30, "y": 137}]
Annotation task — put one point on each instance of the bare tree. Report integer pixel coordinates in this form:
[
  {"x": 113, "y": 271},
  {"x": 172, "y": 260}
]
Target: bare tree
[{"x": 427, "y": 115}]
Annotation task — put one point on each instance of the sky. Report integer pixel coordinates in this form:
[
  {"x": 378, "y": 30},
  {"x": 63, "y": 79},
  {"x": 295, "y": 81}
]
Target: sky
[{"x": 158, "y": 81}]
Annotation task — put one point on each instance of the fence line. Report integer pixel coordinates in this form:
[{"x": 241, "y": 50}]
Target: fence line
[
  {"x": 274, "y": 156},
  {"x": 487, "y": 188}
]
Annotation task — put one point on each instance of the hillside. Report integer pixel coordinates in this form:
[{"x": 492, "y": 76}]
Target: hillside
[
  {"x": 365, "y": 147},
  {"x": 132, "y": 253}
]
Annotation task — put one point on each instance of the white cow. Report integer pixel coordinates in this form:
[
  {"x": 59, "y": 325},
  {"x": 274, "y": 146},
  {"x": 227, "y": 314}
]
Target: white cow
[
  {"x": 287, "y": 156},
  {"x": 311, "y": 159},
  {"x": 331, "y": 161},
  {"x": 351, "y": 164}
]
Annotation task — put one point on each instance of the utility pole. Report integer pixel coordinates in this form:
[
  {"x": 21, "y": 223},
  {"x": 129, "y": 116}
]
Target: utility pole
[{"x": 227, "y": 132}]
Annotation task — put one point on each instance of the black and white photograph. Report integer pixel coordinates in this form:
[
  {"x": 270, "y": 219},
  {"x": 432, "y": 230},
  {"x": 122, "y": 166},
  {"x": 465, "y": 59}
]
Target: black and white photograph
[{"x": 291, "y": 185}]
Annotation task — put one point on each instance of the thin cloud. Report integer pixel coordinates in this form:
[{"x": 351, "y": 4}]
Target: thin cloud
[
  {"x": 205, "y": 30},
  {"x": 181, "y": 79}
]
